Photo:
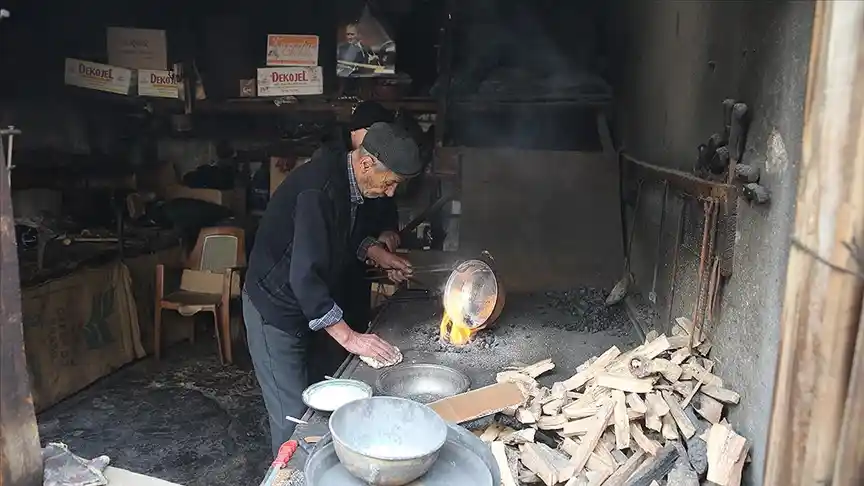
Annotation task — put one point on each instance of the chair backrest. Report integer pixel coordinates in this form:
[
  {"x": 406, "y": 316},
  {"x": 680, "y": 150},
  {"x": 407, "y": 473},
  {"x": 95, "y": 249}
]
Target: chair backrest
[{"x": 218, "y": 248}]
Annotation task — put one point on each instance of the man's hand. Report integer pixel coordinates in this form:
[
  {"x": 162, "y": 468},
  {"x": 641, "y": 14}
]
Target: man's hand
[
  {"x": 398, "y": 269},
  {"x": 390, "y": 239},
  {"x": 369, "y": 345}
]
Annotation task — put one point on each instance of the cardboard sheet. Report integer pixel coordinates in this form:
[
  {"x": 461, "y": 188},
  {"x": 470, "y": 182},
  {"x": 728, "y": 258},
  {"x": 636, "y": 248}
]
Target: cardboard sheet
[{"x": 478, "y": 403}]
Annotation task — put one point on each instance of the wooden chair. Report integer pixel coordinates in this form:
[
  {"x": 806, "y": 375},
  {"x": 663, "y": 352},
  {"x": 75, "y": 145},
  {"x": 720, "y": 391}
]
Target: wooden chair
[{"x": 210, "y": 279}]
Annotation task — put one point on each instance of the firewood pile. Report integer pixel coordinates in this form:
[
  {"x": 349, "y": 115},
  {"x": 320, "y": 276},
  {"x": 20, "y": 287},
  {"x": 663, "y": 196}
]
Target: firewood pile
[{"x": 653, "y": 415}]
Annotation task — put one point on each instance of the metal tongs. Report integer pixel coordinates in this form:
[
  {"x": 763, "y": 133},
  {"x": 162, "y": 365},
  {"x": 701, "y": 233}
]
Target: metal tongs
[{"x": 381, "y": 273}]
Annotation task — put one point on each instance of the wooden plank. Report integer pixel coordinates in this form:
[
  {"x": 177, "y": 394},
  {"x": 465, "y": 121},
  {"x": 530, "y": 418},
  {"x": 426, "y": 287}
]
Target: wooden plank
[
  {"x": 624, "y": 383},
  {"x": 684, "y": 424},
  {"x": 621, "y": 422},
  {"x": 20, "y": 452},
  {"x": 823, "y": 293},
  {"x": 499, "y": 452}
]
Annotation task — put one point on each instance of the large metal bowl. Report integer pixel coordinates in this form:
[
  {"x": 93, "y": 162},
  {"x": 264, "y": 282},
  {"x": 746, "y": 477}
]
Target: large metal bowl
[
  {"x": 387, "y": 441},
  {"x": 424, "y": 383}
]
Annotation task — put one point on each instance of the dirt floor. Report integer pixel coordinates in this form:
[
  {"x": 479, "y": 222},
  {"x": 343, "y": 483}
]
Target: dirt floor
[{"x": 187, "y": 420}]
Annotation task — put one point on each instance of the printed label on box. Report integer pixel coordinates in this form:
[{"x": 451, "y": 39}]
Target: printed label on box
[
  {"x": 292, "y": 50},
  {"x": 162, "y": 84},
  {"x": 137, "y": 48},
  {"x": 101, "y": 77},
  {"x": 290, "y": 81}
]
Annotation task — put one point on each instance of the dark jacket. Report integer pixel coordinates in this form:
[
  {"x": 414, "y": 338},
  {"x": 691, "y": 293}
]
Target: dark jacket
[{"x": 302, "y": 244}]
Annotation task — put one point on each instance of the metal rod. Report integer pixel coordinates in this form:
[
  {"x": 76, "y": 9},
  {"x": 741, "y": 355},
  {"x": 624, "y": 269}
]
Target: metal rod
[
  {"x": 703, "y": 256},
  {"x": 679, "y": 237}
]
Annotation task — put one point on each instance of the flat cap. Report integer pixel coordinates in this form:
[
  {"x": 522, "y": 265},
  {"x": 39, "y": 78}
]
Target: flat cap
[
  {"x": 394, "y": 147},
  {"x": 367, "y": 113}
]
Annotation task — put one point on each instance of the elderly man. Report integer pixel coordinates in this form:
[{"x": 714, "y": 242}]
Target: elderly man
[
  {"x": 377, "y": 223},
  {"x": 300, "y": 250}
]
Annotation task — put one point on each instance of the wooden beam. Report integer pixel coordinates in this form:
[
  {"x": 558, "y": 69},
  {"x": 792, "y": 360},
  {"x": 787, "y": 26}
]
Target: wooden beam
[
  {"x": 20, "y": 454},
  {"x": 824, "y": 288},
  {"x": 849, "y": 468}
]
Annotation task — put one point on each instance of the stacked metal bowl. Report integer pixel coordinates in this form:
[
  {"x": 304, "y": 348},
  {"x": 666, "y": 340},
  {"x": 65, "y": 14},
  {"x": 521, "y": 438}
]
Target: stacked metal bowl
[{"x": 391, "y": 441}]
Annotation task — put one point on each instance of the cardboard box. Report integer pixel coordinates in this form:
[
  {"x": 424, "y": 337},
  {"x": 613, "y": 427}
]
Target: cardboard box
[
  {"x": 137, "y": 48},
  {"x": 233, "y": 199},
  {"x": 161, "y": 84},
  {"x": 100, "y": 77},
  {"x": 292, "y": 50},
  {"x": 290, "y": 81}
]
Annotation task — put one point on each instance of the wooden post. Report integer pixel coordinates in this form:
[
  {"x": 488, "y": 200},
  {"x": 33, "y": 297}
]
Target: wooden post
[
  {"x": 824, "y": 286},
  {"x": 849, "y": 468},
  {"x": 20, "y": 455}
]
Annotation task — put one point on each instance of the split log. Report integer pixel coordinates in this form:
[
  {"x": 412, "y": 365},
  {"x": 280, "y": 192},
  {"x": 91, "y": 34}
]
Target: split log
[
  {"x": 680, "y": 355},
  {"x": 620, "y": 477},
  {"x": 555, "y": 422},
  {"x": 643, "y": 368},
  {"x": 499, "y": 452},
  {"x": 669, "y": 431},
  {"x": 636, "y": 403},
  {"x": 553, "y": 407},
  {"x": 655, "y": 468},
  {"x": 684, "y": 424},
  {"x": 519, "y": 436},
  {"x": 581, "y": 378},
  {"x": 549, "y": 465},
  {"x": 537, "y": 368},
  {"x": 721, "y": 394},
  {"x": 697, "y": 372},
  {"x": 650, "y": 446},
  {"x": 624, "y": 383},
  {"x": 491, "y": 433},
  {"x": 725, "y": 449},
  {"x": 621, "y": 421},
  {"x": 592, "y": 436},
  {"x": 707, "y": 407}
]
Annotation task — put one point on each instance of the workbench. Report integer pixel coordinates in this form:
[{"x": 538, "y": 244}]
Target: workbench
[{"x": 531, "y": 328}]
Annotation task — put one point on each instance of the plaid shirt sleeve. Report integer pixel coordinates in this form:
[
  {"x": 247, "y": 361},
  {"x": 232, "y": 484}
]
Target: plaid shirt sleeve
[
  {"x": 363, "y": 249},
  {"x": 333, "y": 316}
]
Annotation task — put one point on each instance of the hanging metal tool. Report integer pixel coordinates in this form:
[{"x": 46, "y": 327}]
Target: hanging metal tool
[
  {"x": 10, "y": 132},
  {"x": 652, "y": 295},
  {"x": 619, "y": 291}
]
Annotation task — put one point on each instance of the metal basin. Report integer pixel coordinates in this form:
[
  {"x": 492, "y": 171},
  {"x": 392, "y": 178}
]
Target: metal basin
[
  {"x": 322, "y": 460},
  {"x": 387, "y": 441},
  {"x": 422, "y": 383}
]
